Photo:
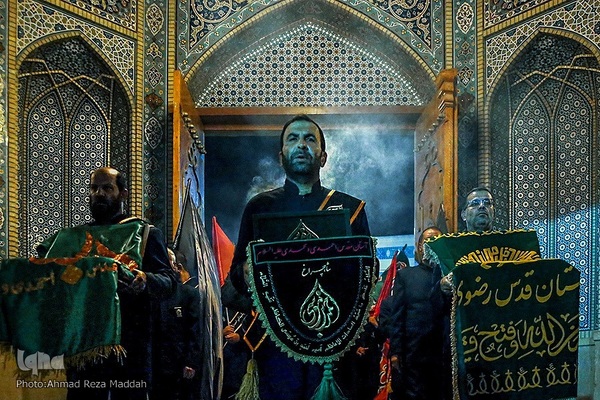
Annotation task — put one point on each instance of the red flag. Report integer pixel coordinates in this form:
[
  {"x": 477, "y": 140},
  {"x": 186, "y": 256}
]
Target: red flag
[
  {"x": 223, "y": 249},
  {"x": 385, "y": 367},
  {"x": 385, "y": 373},
  {"x": 386, "y": 290}
]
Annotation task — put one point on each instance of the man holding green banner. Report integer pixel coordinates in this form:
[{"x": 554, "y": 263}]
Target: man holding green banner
[
  {"x": 147, "y": 276},
  {"x": 514, "y": 317},
  {"x": 478, "y": 215}
]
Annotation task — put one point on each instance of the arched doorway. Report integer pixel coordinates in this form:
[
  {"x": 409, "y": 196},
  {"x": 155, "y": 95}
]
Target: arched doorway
[
  {"x": 359, "y": 81},
  {"x": 74, "y": 116},
  {"x": 543, "y": 127}
]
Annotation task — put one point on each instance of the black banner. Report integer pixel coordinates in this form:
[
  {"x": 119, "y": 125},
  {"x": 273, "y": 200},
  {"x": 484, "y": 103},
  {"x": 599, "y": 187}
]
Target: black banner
[{"x": 313, "y": 295}]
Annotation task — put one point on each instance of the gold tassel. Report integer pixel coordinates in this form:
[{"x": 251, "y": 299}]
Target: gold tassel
[
  {"x": 249, "y": 387},
  {"x": 95, "y": 355}
]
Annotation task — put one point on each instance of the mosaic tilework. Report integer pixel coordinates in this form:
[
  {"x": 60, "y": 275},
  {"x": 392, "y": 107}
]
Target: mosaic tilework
[
  {"x": 36, "y": 21},
  {"x": 544, "y": 120},
  {"x": 418, "y": 25},
  {"x": 579, "y": 16},
  {"x": 497, "y": 11},
  {"x": 309, "y": 66},
  {"x": 156, "y": 192},
  {"x": 3, "y": 132},
  {"x": 464, "y": 54},
  {"x": 74, "y": 114},
  {"x": 416, "y": 15},
  {"x": 205, "y": 16},
  {"x": 122, "y": 12}
]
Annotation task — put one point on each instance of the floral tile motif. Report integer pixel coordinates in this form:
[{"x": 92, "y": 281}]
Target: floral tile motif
[
  {"x": 497, "y": 11},
  {"x": 36, "y": 21},
  {"x": 122, "y": 12}
]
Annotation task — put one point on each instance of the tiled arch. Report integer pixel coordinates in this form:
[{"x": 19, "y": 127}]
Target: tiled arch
[
  {"x": 78, "y": 111},
  {"x": 294, "y": 52},
  {"x": 542, "y": 148}
]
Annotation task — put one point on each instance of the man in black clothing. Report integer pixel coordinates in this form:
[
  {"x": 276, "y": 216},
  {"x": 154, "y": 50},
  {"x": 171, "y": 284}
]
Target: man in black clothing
[
  {"x": 415, "y": 343},
  {"x": 178, "y": 344},
  {"x": 302, "y": 156},
  {"x": 478, "y": 215},
  {"x": 128, "y": 377}
]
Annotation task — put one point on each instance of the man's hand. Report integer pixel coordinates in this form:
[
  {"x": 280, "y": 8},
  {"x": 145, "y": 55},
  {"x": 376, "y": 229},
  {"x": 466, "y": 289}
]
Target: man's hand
[
  {"x": 395, "y": 362},
  {"x": 446, "y": 284},
  {"x": 373, "y": 321},
  {"x": 188, "y": 373},
  {"x": 230, "y": 335},
  {"x": 138, "y": 284},
  {"x": 361, "y": 351}
]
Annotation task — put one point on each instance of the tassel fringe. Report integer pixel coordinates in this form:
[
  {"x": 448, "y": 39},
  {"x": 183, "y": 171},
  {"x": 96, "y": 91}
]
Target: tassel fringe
[
  {"x": 249, "y": 387},
  {"x": 328, "y": 389},
  {"x": 95, "y": 356}
]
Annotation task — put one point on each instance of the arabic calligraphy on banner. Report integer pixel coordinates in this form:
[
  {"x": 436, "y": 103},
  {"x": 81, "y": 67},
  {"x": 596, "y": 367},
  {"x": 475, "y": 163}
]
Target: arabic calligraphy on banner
[
  {"x": 313, "y": 295},
  {"x": 518, "y": 329}
]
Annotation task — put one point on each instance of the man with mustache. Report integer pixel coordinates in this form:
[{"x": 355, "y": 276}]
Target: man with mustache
[
  {"x": 154, "y": 279},
  {"x": 478, "y": 214},
  {"x": 302, "y": 156}
]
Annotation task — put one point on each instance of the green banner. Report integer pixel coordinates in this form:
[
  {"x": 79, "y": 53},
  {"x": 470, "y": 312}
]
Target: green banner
[
  {"x": 62, "y": 308},
  {"x": 123, "y": 242},
  {"x": 455, "y": 249},
  {"x": 66, "y": 304},
  {"x": 517, "y": 330}
]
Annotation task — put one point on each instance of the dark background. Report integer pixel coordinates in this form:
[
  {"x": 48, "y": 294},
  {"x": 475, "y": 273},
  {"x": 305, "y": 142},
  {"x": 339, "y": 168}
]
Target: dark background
[{"x": 375, "y": 167}]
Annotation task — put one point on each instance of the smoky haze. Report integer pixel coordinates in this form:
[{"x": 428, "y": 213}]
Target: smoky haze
[{"x": 375, "y": 167}]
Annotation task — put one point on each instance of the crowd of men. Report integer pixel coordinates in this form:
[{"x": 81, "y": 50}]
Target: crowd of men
[{"x": 159, "y": 312}]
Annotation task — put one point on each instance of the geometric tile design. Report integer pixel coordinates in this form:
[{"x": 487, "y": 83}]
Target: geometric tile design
[
  {"x": 153, "y": 76},
  {"x": 464, "y": 56},
  {"x": 156, "y": 177},
  {"x": 465, "y": 17},
  {"x": 203, "y": 18},
  {"x": 122, "y": 12},
  {"x": 544, "y": 119},
  {"x": 309, "y": 66},
  {"x": 154, "y": 19},
  {"x": 579, "y": 16},
  {"x": 418, "y": 24},
  {"x": 497, "y": 11},
  {"x": 36, "y": 21},
  {"x": 74, "y": 117},
  {"x": 153, "y": 132}
]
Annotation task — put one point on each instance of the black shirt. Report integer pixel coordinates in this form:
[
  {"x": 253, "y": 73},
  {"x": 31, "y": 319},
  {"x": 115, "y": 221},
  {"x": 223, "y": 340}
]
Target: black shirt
[{"x": 288, "y": 199}]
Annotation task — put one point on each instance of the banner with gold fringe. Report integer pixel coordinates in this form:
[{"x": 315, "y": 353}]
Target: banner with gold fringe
[
  {"x": 124, "y": 242},
  {"x": 454, "y": 249},
  {"x": 515, "y": 316},
  {"x": 60, "y": 308},
  {"x": 312, "y": 297},
  {"x": 517, "y": 327}
]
